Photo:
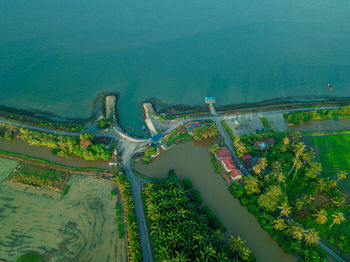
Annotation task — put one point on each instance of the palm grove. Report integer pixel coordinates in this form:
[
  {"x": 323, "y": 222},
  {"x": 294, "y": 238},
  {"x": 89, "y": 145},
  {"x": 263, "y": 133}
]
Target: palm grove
[
  {"x": 290, "y": 197},
  {"x": 182, "y": 231}
]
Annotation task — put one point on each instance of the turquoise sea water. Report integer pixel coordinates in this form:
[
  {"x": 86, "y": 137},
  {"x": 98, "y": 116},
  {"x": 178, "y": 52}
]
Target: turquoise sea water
[{"x": 57, "y": 55}]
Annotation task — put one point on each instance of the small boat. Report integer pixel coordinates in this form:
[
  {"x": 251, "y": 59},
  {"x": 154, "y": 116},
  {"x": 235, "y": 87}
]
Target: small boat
[{"x": 330, "y": 88}]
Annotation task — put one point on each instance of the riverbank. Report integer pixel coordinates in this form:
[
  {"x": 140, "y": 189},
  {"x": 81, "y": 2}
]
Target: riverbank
[{"x": 193, "y": 162}]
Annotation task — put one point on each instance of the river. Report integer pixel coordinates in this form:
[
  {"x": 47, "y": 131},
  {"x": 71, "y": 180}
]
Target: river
[
  {"x": 57, "y": 55},
  {"x": 81, "y": 226},
  {"x": 192, "y": 161}
]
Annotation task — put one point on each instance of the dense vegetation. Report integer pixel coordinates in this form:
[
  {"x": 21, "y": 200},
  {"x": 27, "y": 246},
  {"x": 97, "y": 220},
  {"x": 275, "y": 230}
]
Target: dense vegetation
[
  {"x": 181, "y": 231},
  {"x": 266, "y": 124},
  {"x": 73, "y": 127},
  {"x": 120, "y": 220},
  {"x": 289, "y": 196},
  {"x": 38, "y": 177},
  {"x": 207, "y": 130},
  {"x": 103, "y": 123},
  {"x": 297, "y": 118},
  {"x": 228, "y": 129},
  {"x": 176, "y": 136},
  {"x": 65, "y": 145},
  {"x": 150, "y": 151},
  {"x": 134, "y": 242}
]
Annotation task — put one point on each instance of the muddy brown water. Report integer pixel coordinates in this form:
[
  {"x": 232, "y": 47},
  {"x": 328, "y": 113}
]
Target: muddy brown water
[
  {"x": 18, "y": 146},
  {"x": 78, "y": 227},
  {"x": 192, "y": 161}
]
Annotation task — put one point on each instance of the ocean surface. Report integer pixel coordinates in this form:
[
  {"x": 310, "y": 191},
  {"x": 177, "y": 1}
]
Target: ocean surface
[{"x": 57, "y": 55}]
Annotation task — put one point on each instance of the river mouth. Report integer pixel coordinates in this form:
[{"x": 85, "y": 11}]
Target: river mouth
[
  {"x": 192, "y": 161},
  {"x": 81, "y": 226}
]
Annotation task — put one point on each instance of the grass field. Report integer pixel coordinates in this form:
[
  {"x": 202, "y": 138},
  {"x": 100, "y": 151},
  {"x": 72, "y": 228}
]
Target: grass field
[
  {"x": 333, "y": 152},
  {"x": 6, "y": 167}
]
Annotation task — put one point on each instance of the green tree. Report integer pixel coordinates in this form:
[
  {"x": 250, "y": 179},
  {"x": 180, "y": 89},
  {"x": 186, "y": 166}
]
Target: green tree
[
  {"x": 8, "y": 135},
  {"x": 251, "y": 185},
  {"x": 270, "y": 199},
  {"x": 215, "y": 148},
  {"x": 279, "y": 224},
  {"x": 103, "y": 123},
  {"x": 321, "y": 216},
  {"x": 297, "y": 232},
  {"x": 341, "y": 175},
  {"x": 338, "y": 218},
  {"x": 311, "y": 236},
  {"x": 285, "y": 209}
]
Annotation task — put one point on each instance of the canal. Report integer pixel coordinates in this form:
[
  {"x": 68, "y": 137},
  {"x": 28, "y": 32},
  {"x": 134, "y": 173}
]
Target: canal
[
  {"x": 193, "y": 161},
  {"x": 20, "y": 147}
]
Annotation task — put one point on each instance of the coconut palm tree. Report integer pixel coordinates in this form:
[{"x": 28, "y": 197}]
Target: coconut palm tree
[
  {"x": 251, "y": 185},
  {"x": 276, "y": 165},
  {"x": 299, "y": 149},
  {"x": 285, "y": 209},
  {"x": 286, "y": 141},
  {"x": 235, "y": 244},
  {"x": 181, "y": 256},
  {"x": 263, "y": 162},
  {"x": 241, "y": 149},
  {"x": 295, "y": 137},
  {"x": 297, "y": 232},
  {"x": 279, "y": 224},
  {"x": 213, "y": 149},
  {"x": 341, "y": 175},
  {"x": 280, "y": 177},
  {"x": 298, "y": 164},
  {"x": 245, "y": 253},
  {"x": 311, "y": 236},
  {"x": 321, "y": 216},
  {"x": 257, "y": 169},
  {"x": 338, "y": 218}
]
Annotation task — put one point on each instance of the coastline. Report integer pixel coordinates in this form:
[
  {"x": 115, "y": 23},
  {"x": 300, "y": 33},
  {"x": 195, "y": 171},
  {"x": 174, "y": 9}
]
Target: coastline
[{"x": 164, "y": 109}]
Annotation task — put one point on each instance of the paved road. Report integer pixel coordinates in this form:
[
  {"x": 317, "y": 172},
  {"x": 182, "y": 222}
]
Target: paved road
[{"x": 136, "y": 187}]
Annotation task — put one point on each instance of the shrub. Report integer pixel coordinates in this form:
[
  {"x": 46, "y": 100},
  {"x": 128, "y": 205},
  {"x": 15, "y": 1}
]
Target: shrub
[
  {"x": 103, "y": 123},
  {"x": 171, "y": 173},
  {"x": 187, "y": 183},
  {"x": 197, "y": 197},
  {"x": 8, "y": 135}
]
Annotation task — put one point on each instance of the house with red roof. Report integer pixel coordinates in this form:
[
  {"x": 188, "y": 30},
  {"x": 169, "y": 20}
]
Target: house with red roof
[
  {"x": 236, "y": 174},
  {"x": 228, "y": 163},
  {"x": 222, "y": 153}
]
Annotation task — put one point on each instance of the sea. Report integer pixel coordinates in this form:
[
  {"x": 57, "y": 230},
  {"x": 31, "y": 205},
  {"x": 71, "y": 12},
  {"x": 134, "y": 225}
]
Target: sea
[{"x": 57, "y": 55}]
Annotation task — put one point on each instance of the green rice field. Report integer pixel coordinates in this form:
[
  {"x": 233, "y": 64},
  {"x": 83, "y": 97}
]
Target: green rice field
[
  {"x": 333, "y": 152},
  {"x": 6, "y": 167}
]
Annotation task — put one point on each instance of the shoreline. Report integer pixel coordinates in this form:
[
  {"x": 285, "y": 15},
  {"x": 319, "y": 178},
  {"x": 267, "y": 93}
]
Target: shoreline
[{"x": 163, "y": 109}]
